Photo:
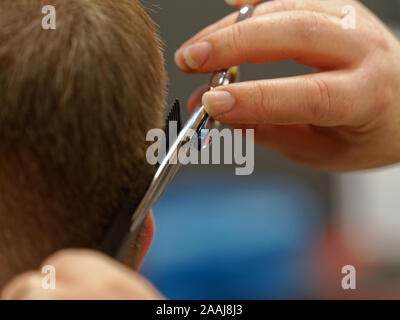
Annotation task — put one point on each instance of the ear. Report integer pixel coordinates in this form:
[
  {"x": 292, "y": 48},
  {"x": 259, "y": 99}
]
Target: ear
[{"x": 147, "y": 236}]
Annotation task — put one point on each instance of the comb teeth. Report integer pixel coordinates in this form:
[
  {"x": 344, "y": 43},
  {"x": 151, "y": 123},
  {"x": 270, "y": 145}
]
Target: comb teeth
[{"x": 173, "y": 115}]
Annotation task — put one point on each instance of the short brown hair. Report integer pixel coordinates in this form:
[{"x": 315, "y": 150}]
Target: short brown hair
[{"x": 75, "y": 106}]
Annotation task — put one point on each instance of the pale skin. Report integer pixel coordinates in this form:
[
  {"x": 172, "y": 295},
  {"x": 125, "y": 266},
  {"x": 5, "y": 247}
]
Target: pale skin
[{"x": 343, "y": 117}]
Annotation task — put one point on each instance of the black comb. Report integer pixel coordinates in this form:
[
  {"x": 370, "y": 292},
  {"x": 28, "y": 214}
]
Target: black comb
[
  {"x": 173, "y": 115},
  {"x": 119, "y": 228}
]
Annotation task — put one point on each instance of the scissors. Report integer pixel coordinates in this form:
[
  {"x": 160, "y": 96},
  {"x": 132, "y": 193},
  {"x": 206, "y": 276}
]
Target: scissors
[{"x": 126, "y": 226}]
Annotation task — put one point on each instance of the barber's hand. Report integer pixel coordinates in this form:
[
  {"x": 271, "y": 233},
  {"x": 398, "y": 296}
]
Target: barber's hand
[
  {"x": 346, "y": 116},
  {"x": 82, "y": 275}
]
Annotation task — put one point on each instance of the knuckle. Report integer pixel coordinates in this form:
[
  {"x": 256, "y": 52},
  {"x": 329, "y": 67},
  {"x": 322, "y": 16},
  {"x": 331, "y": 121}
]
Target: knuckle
[
  {"x": 377, "y": 37},
  {"x": 320, "y": 99},
  {"x": 383, "y": 96},
  {"x": 379, "y": 91},
  {"x": 307, "y": 25},
  {"x": 236, "y": 38},
  {"x": 237, "y": 41},
  {"x": 263, "y": 110},
  {"x": 309, "y": 21}
]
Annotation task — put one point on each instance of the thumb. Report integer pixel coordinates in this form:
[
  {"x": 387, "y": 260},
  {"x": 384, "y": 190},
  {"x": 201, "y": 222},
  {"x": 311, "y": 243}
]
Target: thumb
[{"x": 309, "y": 99}]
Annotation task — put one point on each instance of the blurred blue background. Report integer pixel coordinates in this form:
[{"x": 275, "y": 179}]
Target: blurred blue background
[{"x": 220, "y": 236}]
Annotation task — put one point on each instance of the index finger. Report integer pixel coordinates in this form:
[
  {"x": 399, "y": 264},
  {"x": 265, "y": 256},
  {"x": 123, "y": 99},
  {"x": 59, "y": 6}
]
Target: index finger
[
  {"x": 310, "y": 38},
  {"x": 269, "y": 7}
]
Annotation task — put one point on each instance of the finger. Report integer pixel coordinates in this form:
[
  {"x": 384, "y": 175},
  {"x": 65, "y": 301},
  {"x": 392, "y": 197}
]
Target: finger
[
  {"x": 66, "y": 261},
  {"x": 92, "y": 262},
  {"x": 310, "y": 38},
  {"x": 21, "y": 286},
  {"x": 323, "y": 99},
  {"x": 195, "y": 98},
  {"x": 269, "y": 7},
  {"x": 99, "y": 270}
]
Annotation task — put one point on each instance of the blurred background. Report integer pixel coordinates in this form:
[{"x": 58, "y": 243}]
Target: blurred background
[{"x": 284, "y": 232}]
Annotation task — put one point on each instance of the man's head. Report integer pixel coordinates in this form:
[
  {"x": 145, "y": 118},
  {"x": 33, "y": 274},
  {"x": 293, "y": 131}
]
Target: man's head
[{"x": 75, "y": 106}]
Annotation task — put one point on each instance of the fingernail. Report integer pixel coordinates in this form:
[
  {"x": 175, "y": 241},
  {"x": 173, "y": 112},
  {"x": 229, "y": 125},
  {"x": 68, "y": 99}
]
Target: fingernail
[
  {"x": 218, "y": 102},
  {"x": 197, "y": 54},
  {"x": 178, "y": 61}
]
